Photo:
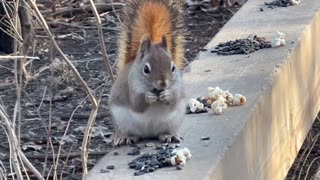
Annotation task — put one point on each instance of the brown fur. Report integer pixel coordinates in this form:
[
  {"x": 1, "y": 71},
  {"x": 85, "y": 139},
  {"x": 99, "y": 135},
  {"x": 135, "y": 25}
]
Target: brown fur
[{"x": 152, "y": 18}]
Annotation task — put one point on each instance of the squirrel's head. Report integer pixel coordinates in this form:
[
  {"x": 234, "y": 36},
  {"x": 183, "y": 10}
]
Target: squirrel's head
[{"x": 155, "y": 63}]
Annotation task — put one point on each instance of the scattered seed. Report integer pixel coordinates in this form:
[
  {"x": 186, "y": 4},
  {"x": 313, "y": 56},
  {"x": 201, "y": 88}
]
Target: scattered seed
[
  {"x": 241, "y": 46},
  {"x": 138, "y": 173},
  {"x": 149, "y": 144},
  {"x": 280, "y": 3},
  {"x": 205, "y": 138},
  {"x": 261, "y": 9},
  {"x": 179, "y": 167},
  {"x": 150, "y": 162},
  {"x": 104, "y": 171},
  {"x": 111, "y": 167},
  {"x": 135, "y": 152}
]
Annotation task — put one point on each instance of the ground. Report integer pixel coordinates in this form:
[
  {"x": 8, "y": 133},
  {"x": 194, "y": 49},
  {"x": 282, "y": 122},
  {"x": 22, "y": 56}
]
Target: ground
[{"x": 77, "y": 36}]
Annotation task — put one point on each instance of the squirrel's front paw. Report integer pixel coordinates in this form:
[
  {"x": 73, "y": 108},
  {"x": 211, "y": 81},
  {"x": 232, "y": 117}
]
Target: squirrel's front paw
[
  {"x": 122, "y": 140},
  {"x": 168, "y": 138},
  {"x": 165, "y": 96},
  {"x": 151, "y": 97}
]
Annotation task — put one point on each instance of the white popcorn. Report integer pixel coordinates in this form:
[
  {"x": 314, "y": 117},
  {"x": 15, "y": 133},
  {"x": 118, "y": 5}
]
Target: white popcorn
[
  {"x": 238, "y": 100},
  {"x": 195, "y": 105},
  {"x": 180, "y": 157},
  {"x": 295, "y": 2},
  {"x": 218, "y": 105},
  {"x": 278, "y": 40},
  {"x": 229, "y": 98},
  {"x": 218, "y": 110}
]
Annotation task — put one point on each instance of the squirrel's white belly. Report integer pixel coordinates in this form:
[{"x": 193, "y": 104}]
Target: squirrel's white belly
[{"x": 156, "y": 120}]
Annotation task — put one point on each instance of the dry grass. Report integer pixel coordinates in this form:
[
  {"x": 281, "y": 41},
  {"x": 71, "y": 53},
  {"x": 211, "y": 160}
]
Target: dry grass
[{"x": 21, "y": 168}]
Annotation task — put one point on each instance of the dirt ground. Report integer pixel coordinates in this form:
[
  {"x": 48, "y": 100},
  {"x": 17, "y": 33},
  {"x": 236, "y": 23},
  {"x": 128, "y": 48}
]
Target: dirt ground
[{"x": 78, "y": 38}]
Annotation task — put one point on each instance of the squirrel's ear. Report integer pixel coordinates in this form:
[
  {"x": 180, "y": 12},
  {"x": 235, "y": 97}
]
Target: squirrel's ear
[
  {"x": 164, "y": 42},
  {"x": 145, "y": 45}
]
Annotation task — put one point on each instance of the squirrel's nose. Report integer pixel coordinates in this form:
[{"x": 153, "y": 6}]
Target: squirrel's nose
[{"x": 162, "y": 84}]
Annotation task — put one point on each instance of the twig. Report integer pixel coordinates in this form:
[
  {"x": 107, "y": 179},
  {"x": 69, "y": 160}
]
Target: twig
[
  {"x": 114, "y": 11},
  {"x": 65, "y": 134},
  {"x": 310, "y": 149},
  {"x": 15, "y": 149},
  {"x": 55, "y": 163},
  {"x": 16, "y": 125},
  {"x": 62, "y": 156},
  {"x": 64, "y": 57},
  {"x": 29, "y": 165},
  {"x": 17, "y": 57},
  {"x": 101, "y": 39},
  {"x": 82, "y": 27},
  {"x": 85, "y": 8},
  {"x": 83, "y": 83},
  {"x": 305, "y": 178}
]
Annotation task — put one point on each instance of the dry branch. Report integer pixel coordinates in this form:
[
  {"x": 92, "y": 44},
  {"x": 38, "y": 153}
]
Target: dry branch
[
  {"x": 86, "y": 8},
  {"x": 83, "y": 84},
  {"x": 15, "y": 150},
  {"x": 101, "y": 39},
  {"x": 17, "y": 57},
  {"x": 64, "y": 57}
]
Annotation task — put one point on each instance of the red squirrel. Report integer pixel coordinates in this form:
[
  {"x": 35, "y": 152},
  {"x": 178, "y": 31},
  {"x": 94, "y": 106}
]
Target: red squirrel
[{"x": 147, "y": 99}]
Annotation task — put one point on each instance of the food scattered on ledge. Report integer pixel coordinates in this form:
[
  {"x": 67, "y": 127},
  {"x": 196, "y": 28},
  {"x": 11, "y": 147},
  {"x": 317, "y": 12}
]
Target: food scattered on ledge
[
  {"x": 278, "y": 40},
  {"x": 242, "y": 46},
  {"x": 248, "y": 45},
  {"x": 283, "y": 3},
  {"x": 194, "y": 106},
  {"x": 165, "y": 156},
  {"x": 217, "y": 100}
]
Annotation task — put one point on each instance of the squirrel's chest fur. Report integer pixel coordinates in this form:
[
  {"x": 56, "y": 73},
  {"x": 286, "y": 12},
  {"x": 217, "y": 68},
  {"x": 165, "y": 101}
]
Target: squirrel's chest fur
[{"x": 157, "y": 119}]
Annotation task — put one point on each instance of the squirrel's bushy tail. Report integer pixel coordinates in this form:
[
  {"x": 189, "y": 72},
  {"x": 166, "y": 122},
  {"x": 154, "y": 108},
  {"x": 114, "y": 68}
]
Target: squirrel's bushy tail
[{"x": 153, "y": 18}]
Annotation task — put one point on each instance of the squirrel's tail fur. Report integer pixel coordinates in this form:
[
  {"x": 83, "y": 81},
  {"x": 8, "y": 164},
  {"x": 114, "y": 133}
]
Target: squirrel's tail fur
[{"x": 153, "y": 18}]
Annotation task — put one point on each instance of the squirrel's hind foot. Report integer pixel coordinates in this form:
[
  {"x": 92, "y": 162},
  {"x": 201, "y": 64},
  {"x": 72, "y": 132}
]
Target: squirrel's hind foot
[
  {"x": 125, "y": 140},
  {"x": 168, "y": 138}
]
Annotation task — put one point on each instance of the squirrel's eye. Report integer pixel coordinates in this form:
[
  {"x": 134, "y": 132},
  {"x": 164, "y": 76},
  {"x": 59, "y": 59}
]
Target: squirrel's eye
[
  {"x": 146, "y": 69},
  {"x": 173, "y": 67}
]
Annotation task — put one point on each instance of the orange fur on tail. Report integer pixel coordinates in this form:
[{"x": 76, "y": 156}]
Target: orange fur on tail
[{"x": 153, "y": 18}]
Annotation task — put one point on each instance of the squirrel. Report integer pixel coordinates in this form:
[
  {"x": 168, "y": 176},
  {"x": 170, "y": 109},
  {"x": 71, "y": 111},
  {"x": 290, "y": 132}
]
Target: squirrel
[{"x": 147, "y": 99}]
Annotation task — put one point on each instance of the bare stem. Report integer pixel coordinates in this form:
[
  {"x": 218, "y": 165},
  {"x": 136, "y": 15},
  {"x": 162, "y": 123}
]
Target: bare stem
[
  {"x": 93, "y": 100},
  {"x": 101, "y": 39}
]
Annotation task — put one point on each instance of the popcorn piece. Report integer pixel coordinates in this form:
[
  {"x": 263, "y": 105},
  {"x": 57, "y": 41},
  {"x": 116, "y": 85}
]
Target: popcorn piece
[
  {"x": 278, "y": 40},
  {"x": 187, "y": 153},
  {"x": 219, "y": 105},
  {"x": 295, "y": 2},
  {"x": 218, "y": 110},
  {"x": 239, "y": 100},
  {"x": 180, "y": 157},
  {"x": 229, "y": 98},
  {"x": 215, "y": 92},
  {"x": 195, "y": 105},
  {"x": 173, "y": 160}
]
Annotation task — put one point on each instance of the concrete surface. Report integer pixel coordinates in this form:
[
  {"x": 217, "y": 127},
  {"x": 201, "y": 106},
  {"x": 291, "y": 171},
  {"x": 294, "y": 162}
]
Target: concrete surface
[{"x": 259, "y": 140}]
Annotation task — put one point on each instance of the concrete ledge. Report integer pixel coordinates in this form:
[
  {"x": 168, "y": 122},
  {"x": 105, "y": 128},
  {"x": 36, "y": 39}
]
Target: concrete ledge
[{"x": 259, "y": 140}]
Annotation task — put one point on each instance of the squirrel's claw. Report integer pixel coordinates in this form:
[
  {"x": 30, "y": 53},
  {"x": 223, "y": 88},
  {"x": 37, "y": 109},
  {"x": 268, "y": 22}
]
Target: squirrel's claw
[
  {"x": 168, "y": 138},
  {"x": 151, "y": 97},
  {"x": 125, "y": 140},
  {"x": 165, "y": 96}
]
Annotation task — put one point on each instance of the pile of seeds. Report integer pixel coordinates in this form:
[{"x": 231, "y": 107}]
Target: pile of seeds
[
  {"x": 282, "y": 3},
  {"x": 241, "y": 46},
  {"x": 150, "y": 162}
]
